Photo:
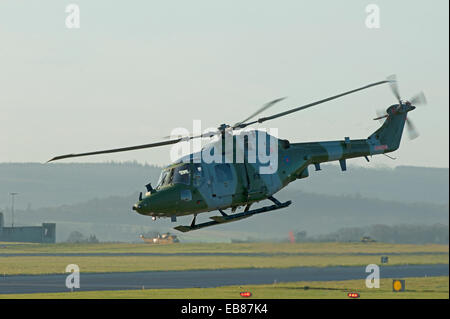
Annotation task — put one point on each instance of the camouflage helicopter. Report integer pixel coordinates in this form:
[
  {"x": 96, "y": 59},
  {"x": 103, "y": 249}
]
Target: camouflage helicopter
[{"x": 191, "y": 185}]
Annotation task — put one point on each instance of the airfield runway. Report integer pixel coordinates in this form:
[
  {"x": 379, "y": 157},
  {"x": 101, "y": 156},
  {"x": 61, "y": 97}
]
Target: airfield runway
[{"x": 14, "y": 284}]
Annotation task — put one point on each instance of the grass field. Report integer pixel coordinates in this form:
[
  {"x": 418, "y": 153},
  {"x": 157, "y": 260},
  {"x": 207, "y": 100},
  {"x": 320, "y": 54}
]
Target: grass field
[
  {"x": 245, "y": 255},
  {"x": 287, "y": 248},
  {"x": 433, "y": 287},
  {"x": 281, "y": 255}
]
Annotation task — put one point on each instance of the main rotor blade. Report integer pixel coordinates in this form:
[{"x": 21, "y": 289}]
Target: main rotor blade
[
  {"x": 394, "y": 87},
  {"x": 418, "y": 99},
  {"x": 206, "y": 134},
  {"x": 263, "y": 119},
  {"x": 380, "y": 116},
  {"x": 260, "y": 110},
  {"x": 412, "y": 131},
  {"x": 115, "y": 150}
]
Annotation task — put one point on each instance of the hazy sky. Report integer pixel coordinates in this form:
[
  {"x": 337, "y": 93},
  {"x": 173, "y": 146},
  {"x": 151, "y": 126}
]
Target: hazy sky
[{"x": 136, "y": 70}]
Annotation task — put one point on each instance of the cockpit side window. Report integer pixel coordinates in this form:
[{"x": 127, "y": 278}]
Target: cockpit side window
[
  {"x": 182, "y": 174},
  {"x": 178, "y": 175}
]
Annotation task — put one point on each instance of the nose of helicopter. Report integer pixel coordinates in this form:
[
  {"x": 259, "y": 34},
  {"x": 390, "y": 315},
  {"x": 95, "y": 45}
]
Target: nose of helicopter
[
  {"x": 137, "y": 207},
  {"x": 143, "y": 206},
  {"x": 153, "y": 203}
]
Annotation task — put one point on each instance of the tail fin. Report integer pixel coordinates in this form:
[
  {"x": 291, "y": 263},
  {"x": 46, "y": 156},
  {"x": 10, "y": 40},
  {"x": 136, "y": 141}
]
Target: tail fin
[{"x": 389, "y": 135}]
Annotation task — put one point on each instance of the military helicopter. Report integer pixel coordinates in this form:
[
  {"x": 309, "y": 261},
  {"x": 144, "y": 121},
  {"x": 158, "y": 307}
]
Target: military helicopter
[{"x": 191, "y": 185}]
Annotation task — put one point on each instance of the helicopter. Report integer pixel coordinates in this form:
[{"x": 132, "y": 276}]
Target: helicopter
[{"x": 192, "y": 185}]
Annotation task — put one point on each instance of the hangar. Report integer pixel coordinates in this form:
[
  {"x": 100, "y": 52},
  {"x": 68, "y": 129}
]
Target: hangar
[{"x": 30, "y": 234}]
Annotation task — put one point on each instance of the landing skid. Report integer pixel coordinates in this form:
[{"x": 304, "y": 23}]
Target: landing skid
[{"x": 231, "y": 218}]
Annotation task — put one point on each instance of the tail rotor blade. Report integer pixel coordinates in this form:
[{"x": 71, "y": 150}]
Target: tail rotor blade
[
  {"x": 412, "y": 131},
  {"x": 418, "y": 99},
  {"x": 394, "y": 86}
]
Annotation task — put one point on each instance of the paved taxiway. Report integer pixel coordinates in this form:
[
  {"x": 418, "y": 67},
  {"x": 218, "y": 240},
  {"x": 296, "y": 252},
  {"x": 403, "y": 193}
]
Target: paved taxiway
[{"x": 206, "y": 278}]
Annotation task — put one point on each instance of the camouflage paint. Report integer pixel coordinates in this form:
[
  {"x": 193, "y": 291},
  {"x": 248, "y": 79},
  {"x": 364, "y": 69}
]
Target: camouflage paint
[{"x": 246, "y": 186}]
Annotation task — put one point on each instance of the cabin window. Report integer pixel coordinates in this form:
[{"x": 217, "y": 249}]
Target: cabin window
[
  {"x": 223, "y": 172},
  {"x": 198, "y": 175}
]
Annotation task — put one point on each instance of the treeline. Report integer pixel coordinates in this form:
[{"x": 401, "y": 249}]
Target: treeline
[
  {"x": 398, "y": 234},
  {"x": 78, "y": 238}
]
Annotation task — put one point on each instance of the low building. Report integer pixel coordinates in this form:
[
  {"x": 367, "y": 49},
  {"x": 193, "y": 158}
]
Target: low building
[
  {"x": 29, "y": 234},
  {"x": 161, "y": 239}
]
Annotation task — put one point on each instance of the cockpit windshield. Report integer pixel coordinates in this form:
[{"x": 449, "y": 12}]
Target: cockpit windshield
[
  {"x": 164, "y": 178},
  {"x": 175, "y": 175}
]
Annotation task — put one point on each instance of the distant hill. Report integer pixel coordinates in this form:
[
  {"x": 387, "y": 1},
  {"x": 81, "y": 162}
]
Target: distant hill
[
  {"x": 97, "y": 199},
  {"x": 403, "y": 183},
  {"x": 43, "y": 185},
  {"x": 112, "y": 218}
]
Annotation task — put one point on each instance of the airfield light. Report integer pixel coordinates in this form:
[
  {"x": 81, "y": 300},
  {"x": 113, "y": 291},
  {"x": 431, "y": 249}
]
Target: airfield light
[
  {"x": 12, "y": 208},
  {"x": 246, "y": 294},
  {"x": 353, "y": 295},
  {"x": 398, "y": 285}
]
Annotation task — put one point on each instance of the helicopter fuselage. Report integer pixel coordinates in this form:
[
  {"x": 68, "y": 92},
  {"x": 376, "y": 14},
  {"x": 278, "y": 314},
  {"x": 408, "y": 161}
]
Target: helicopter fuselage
[{"x": 191, "y": 187}]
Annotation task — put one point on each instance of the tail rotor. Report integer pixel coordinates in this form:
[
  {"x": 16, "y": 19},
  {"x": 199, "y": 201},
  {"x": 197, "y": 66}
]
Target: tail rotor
[
  {"x": 406, "y": 106},
  {"x": 412, "y": 131}
]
